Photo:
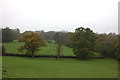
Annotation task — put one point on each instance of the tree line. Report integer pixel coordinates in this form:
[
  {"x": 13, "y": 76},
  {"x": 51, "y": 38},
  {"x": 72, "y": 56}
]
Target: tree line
[
  {"x": 8, "y": 35},
  {"x": 83, "y": 41}
]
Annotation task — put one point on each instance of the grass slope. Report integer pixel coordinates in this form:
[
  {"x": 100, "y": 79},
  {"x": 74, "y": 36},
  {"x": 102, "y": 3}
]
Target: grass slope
[
  {"x": 50, "y": 49},
  {"x": 11, "y": 47},
  {"x": 21, "y": 67}
]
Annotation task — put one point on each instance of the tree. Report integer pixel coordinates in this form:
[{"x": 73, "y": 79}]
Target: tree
[
  {"x": 67, "y": 39},
  {"x": 32, "y": 42},
  {"x": 59, "y": 40},
  {"x": 100, "y": 44},
  {"x": 8, "y": 35},
  {"x": 3, "y": 50},
  {"x": 105, "y": 44},
  {"x": 117, "y": 49},
  {"x": 83, "y": 42}
]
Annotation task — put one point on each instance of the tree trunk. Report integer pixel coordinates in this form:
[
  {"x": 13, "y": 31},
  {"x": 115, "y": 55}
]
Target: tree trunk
[
  {"x": 58, "y": 55},
  {"x": 33, "y": 54},
  {"x": 58, "y": 51}
]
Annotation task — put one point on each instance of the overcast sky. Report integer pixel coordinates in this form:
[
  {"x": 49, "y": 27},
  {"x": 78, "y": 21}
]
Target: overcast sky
[{"x": 56, "y": 15}]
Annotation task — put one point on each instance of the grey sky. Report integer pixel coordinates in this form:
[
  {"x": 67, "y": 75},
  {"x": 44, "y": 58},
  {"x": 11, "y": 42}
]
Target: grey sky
[{"x": 56, "y": 15}]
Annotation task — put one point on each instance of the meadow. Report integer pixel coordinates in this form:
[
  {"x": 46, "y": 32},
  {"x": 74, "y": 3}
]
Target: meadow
[
  {"x": 50, "y": 49},
  {"x": 21, "y": 67},
  {"x": 27, "y": 67}
]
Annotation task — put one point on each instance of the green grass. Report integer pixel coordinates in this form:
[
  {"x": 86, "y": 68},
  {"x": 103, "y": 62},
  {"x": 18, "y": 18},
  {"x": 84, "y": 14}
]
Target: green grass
[
  {"x": 21, "y": 67},
  {"x": 50, "y": 49},
  {"x": 97, "y": 54},
  {"x": 11, "y": 47}
]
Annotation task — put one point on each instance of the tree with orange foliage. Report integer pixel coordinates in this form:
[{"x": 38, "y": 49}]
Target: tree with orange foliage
[{"x": 32, "y": 42}]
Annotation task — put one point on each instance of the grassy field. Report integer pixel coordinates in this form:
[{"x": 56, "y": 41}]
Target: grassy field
[
  {"x": 21, "y": 67},
  {"x": 50, "y": 49}
]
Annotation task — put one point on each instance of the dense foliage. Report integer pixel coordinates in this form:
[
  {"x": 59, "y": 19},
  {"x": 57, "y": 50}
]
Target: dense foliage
[
  {"x": 32, "y": 42},
  {"x": 105, "y": 44},
  {"x": 83, "y": 42},
  {"x": 50, "y": 35},
  {"x": 8, "y": 35},
  {"x": 117, "y": 49}
]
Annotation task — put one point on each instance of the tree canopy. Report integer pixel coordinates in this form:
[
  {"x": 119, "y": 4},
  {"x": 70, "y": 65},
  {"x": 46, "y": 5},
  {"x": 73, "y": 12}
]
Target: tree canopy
[
  {"x": 83, "y": 42},
  {"x": 8, "y": 35},
  {"x": 117, "y": 49},
  {"x": 105, "y": 44},
  {"x": 32, "y": 42}
]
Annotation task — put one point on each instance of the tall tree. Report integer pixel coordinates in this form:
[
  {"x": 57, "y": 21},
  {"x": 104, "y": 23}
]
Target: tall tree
[
  {"x": 105, "y": 44},
  {"x": 59, "y": 40},
  {"x": 117, "y": 49},
  {"x": 8, "y": 35},
  {"x": 32, "y": 42},
  {"x": 83, "y": 42}
]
